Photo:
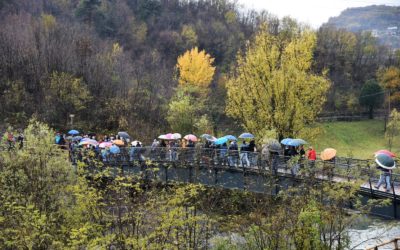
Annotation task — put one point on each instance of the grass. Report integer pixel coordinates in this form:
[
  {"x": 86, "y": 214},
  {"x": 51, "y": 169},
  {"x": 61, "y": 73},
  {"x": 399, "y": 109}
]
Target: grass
[{"x": 354, "y": 139}]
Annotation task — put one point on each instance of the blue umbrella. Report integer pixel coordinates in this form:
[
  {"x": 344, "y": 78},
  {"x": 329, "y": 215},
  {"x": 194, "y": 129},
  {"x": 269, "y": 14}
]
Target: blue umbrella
[
  {"x": 246, "y": 136},
  {"x": 286, "y": 141},
  {"x": 230, "y": 137},
  {"x": 221, "y": 141},
  {"x": 73, "y": 132},
  {"x": 114, "y": 149},
  {"x": 296, "y": 142}
]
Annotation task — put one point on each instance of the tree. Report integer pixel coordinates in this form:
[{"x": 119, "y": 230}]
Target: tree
[
  {"x": 195, "y": 75},
  {"x": 371, "y": 96},
  {"x": 393, "y": 127},
  {"x": 273, "y": 87},
  {"x": 195, "y": 68},
  {"x": 64, "y": 95},
  {"x": 35, "y": 193},
  {"x": 390, "y": 79},
  {"x": 182, "y": 113},
  {"x": 88, "y": 10}
]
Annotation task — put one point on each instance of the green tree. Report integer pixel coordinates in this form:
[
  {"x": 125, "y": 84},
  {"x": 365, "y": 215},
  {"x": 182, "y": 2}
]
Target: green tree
[
  {"x": 183, "y": 113},
  {"x": 63, "y": 95},
  {"x": 393, "y": 127},
  {"x": 371, "y": 96},
  {"x": 273, "y": 86},
  {"x": 35, "y": 193}
]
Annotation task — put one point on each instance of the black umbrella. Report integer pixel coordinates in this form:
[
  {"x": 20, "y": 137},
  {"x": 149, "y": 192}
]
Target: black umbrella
[{"x": 124, "y": 135}]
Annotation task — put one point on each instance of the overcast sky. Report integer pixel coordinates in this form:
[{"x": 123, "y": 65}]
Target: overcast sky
[{"x": 314, "y": 12}]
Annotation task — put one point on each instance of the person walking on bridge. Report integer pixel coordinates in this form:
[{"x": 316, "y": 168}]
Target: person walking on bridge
[
  {"x": 311, "y": 156},
  {"x": 243, "y": 154},
  {"x": 385, "y": 164}
]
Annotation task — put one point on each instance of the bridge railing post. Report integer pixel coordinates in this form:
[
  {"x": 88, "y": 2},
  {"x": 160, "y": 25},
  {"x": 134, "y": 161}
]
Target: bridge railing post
[{"x": 392, "y": 185}]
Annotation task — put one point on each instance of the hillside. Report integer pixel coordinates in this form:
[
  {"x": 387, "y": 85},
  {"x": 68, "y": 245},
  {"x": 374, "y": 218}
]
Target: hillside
[
  {"x": 357, "y": 139},
  {"x": 383, "y": 21}
]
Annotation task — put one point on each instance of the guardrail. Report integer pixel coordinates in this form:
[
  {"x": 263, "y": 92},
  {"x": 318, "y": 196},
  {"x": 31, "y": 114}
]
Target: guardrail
[
  {"x": 395, "y": 243},
  {"x": 342, "y": 169}
]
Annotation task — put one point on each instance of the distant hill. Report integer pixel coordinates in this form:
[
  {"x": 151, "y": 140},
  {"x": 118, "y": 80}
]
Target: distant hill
[{"x": 383, "y": 21}]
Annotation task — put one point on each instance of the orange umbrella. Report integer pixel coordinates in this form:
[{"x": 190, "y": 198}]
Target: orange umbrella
[
  {"x": 328, "y": 154},
  {"x": 119, "y": 142}
]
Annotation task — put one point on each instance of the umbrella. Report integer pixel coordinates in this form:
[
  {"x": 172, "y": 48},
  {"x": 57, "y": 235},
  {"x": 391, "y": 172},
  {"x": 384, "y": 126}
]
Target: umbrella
[
  {"x": 246, "y": 136},
  {"x": 206, "y": 136},
  {"x": 190, "y": 137},
  {"x": 162, "y": 137},
  {"x": 124, "y": 135},
  {"x": 296, "y": 142},
  {"x": 114, "y": 149},
  {"x": 385, "y": 161},
  {"x": 221, "y": 141},
  {"x": 230, "y": 137},
  {"x": 170, "y": 136},
  {"x": 274, "y": 145},
  {"x": 73, "y": 132},
  {"x": 76, "y": 138},
  {"x": 286, "y": 141},
  {"x": 89, "y": 142},
  {"x": 177, "y": 136},
  {"x": 385, "y": 152},
  {"x": 135, "y": 143},
  {"x": 328, "y": 154},
  {"x": 119, "y": 142},
  {"x": 212, "y": 139},
  {"x": 105, "y": 144}
]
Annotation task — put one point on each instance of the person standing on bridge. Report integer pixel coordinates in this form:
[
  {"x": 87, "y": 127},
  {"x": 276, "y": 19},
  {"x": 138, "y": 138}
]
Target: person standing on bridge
[
  {"x": 385, "y": 164},
  {"x": 243, "y": 154},
  {"x": 311, "y": 156},
  {"x": 384, "y": 177},
  {"x": 233, "y": 154}
]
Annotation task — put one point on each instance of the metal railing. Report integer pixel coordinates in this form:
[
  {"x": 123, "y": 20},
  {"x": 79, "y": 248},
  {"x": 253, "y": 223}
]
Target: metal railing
[
  {"x": 342, "y": 169},
  {"x": 393, "y": 244}
]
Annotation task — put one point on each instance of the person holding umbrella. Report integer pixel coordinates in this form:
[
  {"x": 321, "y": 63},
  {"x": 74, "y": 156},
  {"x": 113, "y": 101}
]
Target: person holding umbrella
[
  {"x": 385, "y": 164},
  {"x": 328, "y": 157}
]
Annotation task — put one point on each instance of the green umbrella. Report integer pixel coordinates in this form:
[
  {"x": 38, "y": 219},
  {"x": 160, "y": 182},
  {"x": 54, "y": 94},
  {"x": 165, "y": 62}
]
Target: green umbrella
[{"x": 385, "y": 161}]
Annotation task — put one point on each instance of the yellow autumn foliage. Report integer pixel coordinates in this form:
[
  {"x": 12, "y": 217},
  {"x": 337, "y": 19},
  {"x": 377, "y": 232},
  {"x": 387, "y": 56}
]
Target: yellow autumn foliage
[
  {"x": 195, "y": 68},
  {"x": 273, "y": 86}
]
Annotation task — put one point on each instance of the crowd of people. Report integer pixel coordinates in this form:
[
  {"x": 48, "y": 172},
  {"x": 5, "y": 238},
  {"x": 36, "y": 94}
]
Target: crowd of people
[
  {"x": 231, "y": 153},
  {"x": 111, "y": 148}
]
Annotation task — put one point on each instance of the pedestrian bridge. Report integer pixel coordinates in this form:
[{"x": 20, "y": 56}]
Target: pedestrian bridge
[{"x": 261, "y": 173}]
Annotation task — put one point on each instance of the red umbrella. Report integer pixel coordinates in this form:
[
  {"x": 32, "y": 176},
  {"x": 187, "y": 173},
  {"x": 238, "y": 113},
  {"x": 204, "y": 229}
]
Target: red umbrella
[{"x": 385, "y": 152}]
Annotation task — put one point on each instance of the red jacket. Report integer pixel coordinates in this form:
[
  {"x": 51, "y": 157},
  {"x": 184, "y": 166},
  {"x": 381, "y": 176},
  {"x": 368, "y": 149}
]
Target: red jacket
[{"x": 312, "y": 155}]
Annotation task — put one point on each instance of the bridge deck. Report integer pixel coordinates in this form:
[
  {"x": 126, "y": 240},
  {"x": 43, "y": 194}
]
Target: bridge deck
[{"x": 343, "y": 169}]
